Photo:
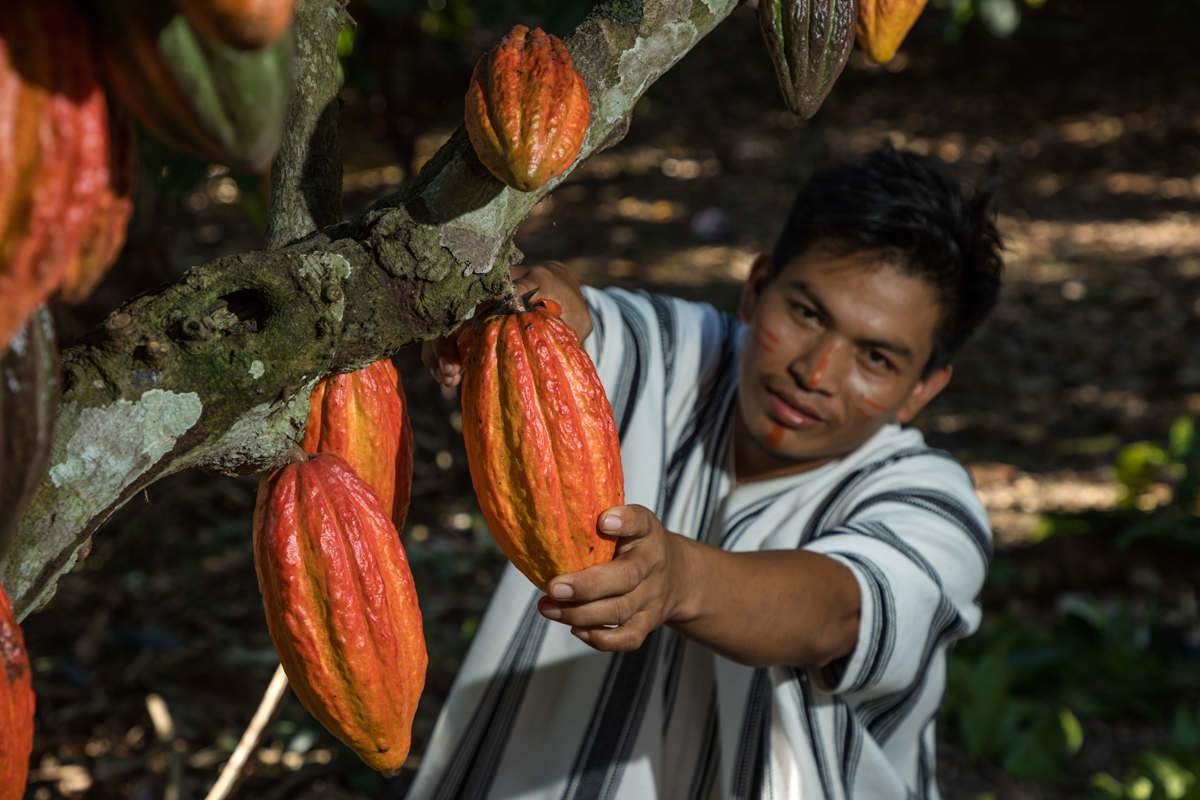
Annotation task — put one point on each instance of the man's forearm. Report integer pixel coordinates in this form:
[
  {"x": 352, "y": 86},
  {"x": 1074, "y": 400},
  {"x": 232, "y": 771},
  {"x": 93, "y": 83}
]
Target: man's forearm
[{"x": 775, "y": 607}]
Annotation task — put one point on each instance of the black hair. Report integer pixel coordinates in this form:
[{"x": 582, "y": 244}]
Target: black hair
[{"x": 912, "y": 213}]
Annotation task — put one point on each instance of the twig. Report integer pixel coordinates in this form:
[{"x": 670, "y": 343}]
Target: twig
[
  {"x": 266, "y": 709},
  {"x": 164, "y": 730}
]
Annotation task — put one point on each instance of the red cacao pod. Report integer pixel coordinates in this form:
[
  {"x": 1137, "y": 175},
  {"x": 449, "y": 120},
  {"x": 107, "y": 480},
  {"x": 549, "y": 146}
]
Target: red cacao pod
[
  {"x": 363, "y": 417},
  {"x": 541, "y": 443},
  {"x": 340, "y": 605},
  {"x": 883, "y": 24},
  {"x": 29, "y": 391},
  {"x": 195, "y": 94},
  {"x": 241, "y": 24},
  {"x": 16, "y": 705},
  {"x": 527, "y": 109},
  {"x": 62, "y": 209}
]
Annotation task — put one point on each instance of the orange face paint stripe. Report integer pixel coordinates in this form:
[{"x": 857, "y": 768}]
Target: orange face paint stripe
[
  {"x": 775, "y": 436},
  {"x": 869, "y": 403},
  {"x": 818, "y": 372},
  {"x": 767, "y": 333},
  {"x": 764, "y": 345},
  {"x": 866, "y": 412}
]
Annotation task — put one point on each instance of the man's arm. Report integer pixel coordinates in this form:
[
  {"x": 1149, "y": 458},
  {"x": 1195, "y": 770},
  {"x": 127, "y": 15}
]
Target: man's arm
[
  {"x": 767, "y": 608},
  {"x": 440, "y": 355}
]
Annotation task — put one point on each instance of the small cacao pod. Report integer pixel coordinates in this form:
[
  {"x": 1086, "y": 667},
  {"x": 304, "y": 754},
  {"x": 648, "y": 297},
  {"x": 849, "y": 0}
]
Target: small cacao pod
[
  {"x": 810, "y": 42},
  {"x": 29, "y": 390},
  {"x": 541, "y": 443},
  {"x": 242, "y": 24},
  {"x": 527, "y": 109},
  {"x": 883, "y": 24},
  {"x": 340, "y": 604},
  {"x": 63, "y": 209},
  {"x": 16, "y": 705},
  {"x": 194, "y": 94},
  {"x": 363, "y": 417}
]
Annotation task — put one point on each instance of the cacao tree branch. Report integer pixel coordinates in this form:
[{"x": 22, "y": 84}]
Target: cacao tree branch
[
  {"x": 214, "y": 371},
  {"x": 306, "y": 178}
]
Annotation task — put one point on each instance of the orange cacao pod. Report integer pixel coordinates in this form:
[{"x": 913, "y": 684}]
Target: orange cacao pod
[
  {"x": 340, "y": 605},
  {"x": 527, "y": 109},
  {"x": 541, "y": 444},
  {"x": 244, "y": 24},
  {"x": 363, "y": 417},
  {"x": 63, "y": 211},
  {"x": 16, "y": 705},
  {"x": 883, "y": 24}
]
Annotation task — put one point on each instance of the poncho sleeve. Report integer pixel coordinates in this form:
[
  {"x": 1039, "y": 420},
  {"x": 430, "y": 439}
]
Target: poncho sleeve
[{"x": 918, "y": 542}]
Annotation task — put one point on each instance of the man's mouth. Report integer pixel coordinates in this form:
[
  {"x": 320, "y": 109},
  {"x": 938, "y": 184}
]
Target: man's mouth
[{"x": 792, "y": 412}]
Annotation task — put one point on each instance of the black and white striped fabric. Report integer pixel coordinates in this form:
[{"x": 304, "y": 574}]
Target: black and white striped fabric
[{"x": 537, "y": 715}]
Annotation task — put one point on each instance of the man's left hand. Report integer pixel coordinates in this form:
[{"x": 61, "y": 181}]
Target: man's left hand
[{"x": 638, "y": 591}]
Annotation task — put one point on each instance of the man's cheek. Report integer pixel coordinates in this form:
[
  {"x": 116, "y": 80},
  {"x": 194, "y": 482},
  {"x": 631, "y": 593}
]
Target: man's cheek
[
  {"x": 765, "y": 338},
  {"x": 869, "y": 408}
]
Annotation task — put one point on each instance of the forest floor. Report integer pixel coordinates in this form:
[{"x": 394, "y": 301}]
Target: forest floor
[{"x": 1092, "y": 113}]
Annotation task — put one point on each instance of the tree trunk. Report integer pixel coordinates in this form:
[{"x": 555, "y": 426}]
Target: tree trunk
[{"x": 216, "y": 369}]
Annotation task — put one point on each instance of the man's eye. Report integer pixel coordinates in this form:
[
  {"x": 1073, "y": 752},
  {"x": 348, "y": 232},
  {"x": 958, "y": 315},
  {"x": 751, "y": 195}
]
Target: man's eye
[
  {"x": 878, "y": 359},
  {"x": 805, "y": 312}
]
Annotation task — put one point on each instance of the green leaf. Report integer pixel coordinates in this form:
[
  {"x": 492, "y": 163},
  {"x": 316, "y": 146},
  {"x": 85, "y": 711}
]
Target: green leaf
[
  {"x": 1112, "y": 788},
  {"x": 1071, "y": 729},
  {"x": 1039, "y": 753},
  {"x": 1185, "y": 726},
  {"x": 1182, "y": 436}
]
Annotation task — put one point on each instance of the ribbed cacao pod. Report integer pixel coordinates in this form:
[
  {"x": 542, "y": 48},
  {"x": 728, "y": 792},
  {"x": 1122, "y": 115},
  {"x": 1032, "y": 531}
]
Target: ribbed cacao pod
[
  {"x": 16, "y": 705},
  {"x": 63, "y": 210},
  {"x": 363, "y": 417},
  {"x": 810, "y": 42},
  {"x": 242, "y": 24},
  {"x": 541, "y": 443},
  {"x": 200, "y": 97},
  {"x": 340, "y": 604},
  {"x": 527, "y": 109},
  {"x": 883, "y": 24},
  {"x": 29, "y": 390}
]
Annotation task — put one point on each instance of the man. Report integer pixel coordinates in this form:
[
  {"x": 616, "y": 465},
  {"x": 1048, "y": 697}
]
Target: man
[{"x": 793, "y": 565}]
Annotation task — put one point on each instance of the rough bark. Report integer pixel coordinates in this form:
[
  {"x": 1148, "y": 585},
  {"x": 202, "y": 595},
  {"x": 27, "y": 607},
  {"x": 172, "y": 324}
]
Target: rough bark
[
  {"x": 218, "y": 370},
  {"x": 306, "y": 179}
]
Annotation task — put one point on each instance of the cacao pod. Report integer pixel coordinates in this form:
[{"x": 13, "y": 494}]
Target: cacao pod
[
  {"x": 527, "y": 109},
  {"x": 16, "y": 705},
  {"x": 340, "y": 605},
  {"x": 363, "y": 417},
  {"x": 29, "y": 390},
  {"x": 883, "y": 24},
  {"x": 63, "y": 210},
  {"x": 198, "y": 96},
  {"x": 242, "y": 24},
  {"x": 541, "y": 443},
  {"x": 810, "y": 42}
]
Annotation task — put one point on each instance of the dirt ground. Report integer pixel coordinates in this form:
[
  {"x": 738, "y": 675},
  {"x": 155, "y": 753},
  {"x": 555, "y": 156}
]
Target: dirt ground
[{"x": 1092, "y": 113}]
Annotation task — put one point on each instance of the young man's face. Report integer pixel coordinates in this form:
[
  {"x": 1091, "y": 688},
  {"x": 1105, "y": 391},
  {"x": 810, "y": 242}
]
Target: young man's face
[{"x": 835, "y": 349}]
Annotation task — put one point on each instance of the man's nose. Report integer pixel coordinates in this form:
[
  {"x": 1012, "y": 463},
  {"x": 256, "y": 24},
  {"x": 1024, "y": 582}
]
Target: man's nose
[{"x": 822, "y": 369}]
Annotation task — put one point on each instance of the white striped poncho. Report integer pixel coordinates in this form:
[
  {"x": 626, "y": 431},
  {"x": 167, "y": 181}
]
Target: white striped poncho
[{"x": 536, "y": 714}]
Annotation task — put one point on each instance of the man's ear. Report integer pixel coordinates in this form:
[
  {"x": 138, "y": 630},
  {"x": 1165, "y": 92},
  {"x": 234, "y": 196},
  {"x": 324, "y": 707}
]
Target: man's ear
[
  {"x": 759, "y": 277},
  {"x": 926, "y": 389}
]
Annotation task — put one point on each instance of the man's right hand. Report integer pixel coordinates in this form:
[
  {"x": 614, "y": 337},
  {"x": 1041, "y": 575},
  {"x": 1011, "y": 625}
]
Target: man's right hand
[{"x": 553, "y": 282}]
